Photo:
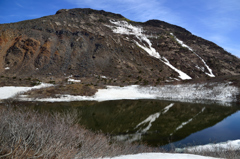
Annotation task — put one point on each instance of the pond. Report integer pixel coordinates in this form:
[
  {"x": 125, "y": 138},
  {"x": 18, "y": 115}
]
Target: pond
[{"x": 154, "y": 122}]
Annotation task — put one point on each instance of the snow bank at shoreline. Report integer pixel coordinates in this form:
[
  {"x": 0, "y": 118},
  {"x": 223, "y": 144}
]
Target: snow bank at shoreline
[
  {"x": 213, "y": 92},
  {"x": 10, "y": 91},
  {"x": 222, "y": 146},
  {"x": 161, "y": 155},
  {"x": 219, "y": 147},
  {"x": 222, "y": 92}
]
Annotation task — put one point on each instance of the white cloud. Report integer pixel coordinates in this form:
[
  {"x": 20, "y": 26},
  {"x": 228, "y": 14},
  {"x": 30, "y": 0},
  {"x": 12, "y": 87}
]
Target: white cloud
[
  {"x": 18, "y": 4},
  {"x": 218, "y": 38}
]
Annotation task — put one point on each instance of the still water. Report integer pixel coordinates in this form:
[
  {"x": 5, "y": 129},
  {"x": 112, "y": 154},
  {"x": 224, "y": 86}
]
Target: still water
[{"x": 154, "y": 122}]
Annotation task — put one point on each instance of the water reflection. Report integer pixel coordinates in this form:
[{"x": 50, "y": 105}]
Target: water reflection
[
  {"x": 153, "y": 122},
  {"x": 227, "y": 129}
]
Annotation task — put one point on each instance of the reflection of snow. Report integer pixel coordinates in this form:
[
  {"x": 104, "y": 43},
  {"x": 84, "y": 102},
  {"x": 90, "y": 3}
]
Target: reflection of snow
[
  {"x": 166, "y": 109},
  {"x": 185, "y": 123},
  {"x": 138, "y": 135},
  {"x": 152, "y": 118},
  {"x": 149, "y": 120},
  {"x": 124, "y": 28}
]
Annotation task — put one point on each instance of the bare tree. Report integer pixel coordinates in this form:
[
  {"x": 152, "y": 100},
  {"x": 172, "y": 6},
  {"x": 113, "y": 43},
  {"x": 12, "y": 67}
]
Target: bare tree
[{"x": 30, "y": 134}]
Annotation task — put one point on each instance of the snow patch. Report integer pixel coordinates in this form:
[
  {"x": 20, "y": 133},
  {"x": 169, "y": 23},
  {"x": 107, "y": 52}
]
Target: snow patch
[
  {"x": 103, "y": 77},
  {"x": 73, "y": 80},
  {"x": 58, "y": 23},
  {"x": 181, "y": 43},
  {"x": 70, "y": 79},
  {"x": 182, "y": 75},
  {"x": 7, "y": 68}
]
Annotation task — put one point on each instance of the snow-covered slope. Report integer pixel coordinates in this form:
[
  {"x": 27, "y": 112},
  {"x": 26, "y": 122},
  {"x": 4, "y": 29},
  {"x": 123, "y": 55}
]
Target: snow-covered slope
[
  {"x": 210, "y": 74},
  {"x": 122, "y": 27}
]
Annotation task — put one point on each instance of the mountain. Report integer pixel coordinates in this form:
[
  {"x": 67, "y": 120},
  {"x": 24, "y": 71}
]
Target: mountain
[{"x": 93, "y": 45}]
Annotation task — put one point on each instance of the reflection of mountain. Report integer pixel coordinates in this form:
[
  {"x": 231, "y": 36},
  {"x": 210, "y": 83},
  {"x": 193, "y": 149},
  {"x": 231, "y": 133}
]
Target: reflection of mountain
[{"x": 154, "y": 122}]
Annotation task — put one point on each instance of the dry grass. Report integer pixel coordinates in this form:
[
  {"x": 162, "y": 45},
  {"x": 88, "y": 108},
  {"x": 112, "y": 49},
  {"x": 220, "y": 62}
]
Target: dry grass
[
  {"x": 29, "y": 134},
  {"x": 72, "y": 89}
]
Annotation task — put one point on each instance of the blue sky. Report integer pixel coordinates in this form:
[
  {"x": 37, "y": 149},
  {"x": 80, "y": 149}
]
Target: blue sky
[{"x": 214, "y": 20}]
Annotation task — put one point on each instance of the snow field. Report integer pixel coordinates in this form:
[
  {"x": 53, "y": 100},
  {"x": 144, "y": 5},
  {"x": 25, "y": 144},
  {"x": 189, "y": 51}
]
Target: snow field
[{"x": 221, "y": 93}]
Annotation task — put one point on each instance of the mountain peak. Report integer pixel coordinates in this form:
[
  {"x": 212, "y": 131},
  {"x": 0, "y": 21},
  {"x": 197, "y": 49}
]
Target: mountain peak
[
  {"x": 87, "y": 11},
  {"x": 90, "y": 43}
]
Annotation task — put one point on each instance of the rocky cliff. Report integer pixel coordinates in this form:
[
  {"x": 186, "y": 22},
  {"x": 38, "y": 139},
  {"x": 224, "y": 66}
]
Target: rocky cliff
[{"x": 88, "y": 43}]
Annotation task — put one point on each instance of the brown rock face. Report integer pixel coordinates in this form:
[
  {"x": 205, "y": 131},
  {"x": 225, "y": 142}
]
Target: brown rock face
[{"x": 82, "y": 42}]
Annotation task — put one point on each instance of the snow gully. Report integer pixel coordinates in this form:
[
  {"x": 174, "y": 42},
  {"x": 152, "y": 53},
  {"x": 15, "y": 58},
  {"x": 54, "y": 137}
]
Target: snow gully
[{"x": 122, "y": 27}]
